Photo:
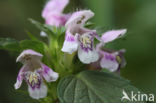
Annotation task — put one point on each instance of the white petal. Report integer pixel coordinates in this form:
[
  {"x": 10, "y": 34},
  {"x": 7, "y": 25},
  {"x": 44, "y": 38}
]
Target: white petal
[
  {"x": 43, "y": 34},
  {"x": 18, "y": 84},
  {"x": 69, "y": 47},
  {"x": 87, "y": 57},
  {"x": 38, "y": 93},
  {"x": 108, "y": 64}
]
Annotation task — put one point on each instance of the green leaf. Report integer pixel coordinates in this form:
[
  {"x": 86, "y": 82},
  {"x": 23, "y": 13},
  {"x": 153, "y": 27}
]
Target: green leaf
[
  {"x": 94, "y": 87},
  {"x": 9, "y": 44},
  {"x": 30, "y": 44},
  {"x": 42, "y": 27},
  {"x": 50, "y": 30},
  {"x": 31, "y": 36}
]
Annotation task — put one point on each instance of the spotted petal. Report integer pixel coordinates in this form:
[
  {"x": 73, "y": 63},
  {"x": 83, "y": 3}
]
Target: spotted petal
[
  {"x": 48, "y": 74},
  {"x": 86, "y": 51},
  {"x": 87, "y": 56},
  {"x": 19, "y": 78},
  {"x": 112, "y": 35},
  {"x": 70, "y": 44},
  {"x": 109, "y": 61},
  {"x": 38, "y": 93}
]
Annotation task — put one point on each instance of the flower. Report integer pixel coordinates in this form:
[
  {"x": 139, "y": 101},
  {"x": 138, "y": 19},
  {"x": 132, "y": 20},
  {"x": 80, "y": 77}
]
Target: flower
[
  {"x": 33, "y": 71},
  {"x": 52, "y": 12},
  {"x": 80, "y": 38},
  {"x": 111, "y": 60}
]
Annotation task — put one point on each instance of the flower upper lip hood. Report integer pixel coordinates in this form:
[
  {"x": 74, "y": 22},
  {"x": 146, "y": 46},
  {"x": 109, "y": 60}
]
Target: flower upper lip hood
[
  {"x": 30, "y": 53},
  {"x": 79, "y": 18},
  {"x": 112, "y": 35}
]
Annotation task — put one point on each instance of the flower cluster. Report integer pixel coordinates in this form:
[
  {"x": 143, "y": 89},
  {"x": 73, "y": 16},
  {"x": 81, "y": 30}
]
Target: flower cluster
[{"x": 77, "y": 38}]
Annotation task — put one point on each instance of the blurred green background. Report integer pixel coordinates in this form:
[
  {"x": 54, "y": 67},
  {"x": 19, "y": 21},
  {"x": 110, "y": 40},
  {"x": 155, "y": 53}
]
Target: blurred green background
[{"x": 138, "y": 16}]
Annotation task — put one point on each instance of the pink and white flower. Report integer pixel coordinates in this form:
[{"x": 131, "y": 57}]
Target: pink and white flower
[
  {"x": 53, "y": 12},
  {"x": 34, "y": 72},
  {"x": 80, "y": 38},
  {"x": 111, "y": 60}
]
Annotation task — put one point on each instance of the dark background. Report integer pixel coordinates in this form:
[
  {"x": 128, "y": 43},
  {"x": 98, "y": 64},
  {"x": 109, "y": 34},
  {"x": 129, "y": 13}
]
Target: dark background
[{"x": 138, "y": 16}]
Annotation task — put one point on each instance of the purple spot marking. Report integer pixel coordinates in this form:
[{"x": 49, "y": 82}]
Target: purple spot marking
[
  {"x": 87, "y": 49},
  {"x": 110, "y": 57},
  {"x": 70, "y": 38},
  {"x": 18, "y": 78},
  {"x": 46, "y": 69}
]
